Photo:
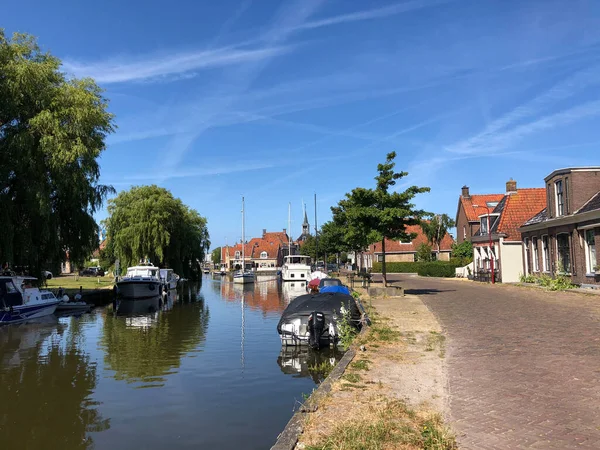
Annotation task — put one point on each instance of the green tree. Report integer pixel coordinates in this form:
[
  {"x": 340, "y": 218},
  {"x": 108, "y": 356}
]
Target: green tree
[
  {"x": 436, "y": 229},
  {"x": 372, "y": 215},
  {"x": 216, "y": 255},
  {"x": 424, "y": 252},
  {"x": 148, "y": 222},
  {"x": 309, "y": 247},
  {"x": 463, "y": 252},
  {"x": 52, "y": 132}
]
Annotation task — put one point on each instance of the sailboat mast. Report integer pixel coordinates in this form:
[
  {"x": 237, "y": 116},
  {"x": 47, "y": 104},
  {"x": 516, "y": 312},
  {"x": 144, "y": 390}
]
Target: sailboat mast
[
  {"x": 289, "y": 228},
  {"x": 243, "y": 238},
  {"x": 316, "y": 233}
]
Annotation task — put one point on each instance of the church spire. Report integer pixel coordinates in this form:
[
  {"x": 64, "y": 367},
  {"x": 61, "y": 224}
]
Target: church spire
[{"x": 305, "y": 225}]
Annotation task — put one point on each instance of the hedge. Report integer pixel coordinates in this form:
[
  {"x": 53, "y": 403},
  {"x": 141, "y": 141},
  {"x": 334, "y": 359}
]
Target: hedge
[{"x": 424, "y": 269}]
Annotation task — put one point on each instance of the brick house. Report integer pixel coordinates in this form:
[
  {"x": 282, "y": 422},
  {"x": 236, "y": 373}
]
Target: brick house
[
  {"x": 565, "y": 236},
  {"x": 398, "y": 251},
  {"x": 511, "y": 212},
  {"x": 263, "y": 253},
  {"x": 470, "y": 207}
]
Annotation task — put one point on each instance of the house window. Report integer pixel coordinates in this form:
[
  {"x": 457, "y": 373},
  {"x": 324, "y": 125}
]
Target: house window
[
  {"x": 237, "y": 255},
  {"x": 564, "y": 253},
  {"x": 567, "y": 195},
  {"x": 534, "y": 256},
  {"x": 483, "y": 227},
  {"x": 527, "y": 269},
  {"x": 379, "y": 258},
  {"x": 590, "y": 251},
  {"x": 464, "y": 231},
  {"x": 263, "y": 255},
  {"x": 545, "y": 254},
  {"x": 560, "y": 201}
]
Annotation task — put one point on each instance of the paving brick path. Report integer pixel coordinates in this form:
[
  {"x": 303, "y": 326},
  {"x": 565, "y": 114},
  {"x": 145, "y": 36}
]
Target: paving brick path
[{"x": 523, "y": 364}]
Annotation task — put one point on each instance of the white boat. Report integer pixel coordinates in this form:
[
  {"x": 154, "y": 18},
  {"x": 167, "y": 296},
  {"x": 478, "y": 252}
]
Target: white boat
[
  {"x": 168, "y": 278},
  {"x": 67, "y": 306},
  {"x": 296, "y": 268},
  {"x": 140, "y": 282},
  {"x": 223, "y": 270},
  {"x": 19, "y": 301},
  {"x": 243, "y": 275}
]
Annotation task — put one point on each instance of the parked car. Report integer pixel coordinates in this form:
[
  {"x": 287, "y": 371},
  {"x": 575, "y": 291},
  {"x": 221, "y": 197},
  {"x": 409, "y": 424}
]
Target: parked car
[
  {"x": 333, "y": 268},
  {"x": 92, "y": 272}
]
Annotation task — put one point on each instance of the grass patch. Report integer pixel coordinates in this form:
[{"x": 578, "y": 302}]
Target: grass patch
[
  {"x": 384, "y": 333},
  {"x": 362, "y": 364},
  {"x": 352, "y": 377},
  {"x": 73, "y": 282},
  {"x": 388, "y": 424},
  {"x": 436, "y": 340}
]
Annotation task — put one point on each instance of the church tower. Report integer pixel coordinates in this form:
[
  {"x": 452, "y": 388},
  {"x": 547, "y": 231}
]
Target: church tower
[{"x": 305, "y": 225}]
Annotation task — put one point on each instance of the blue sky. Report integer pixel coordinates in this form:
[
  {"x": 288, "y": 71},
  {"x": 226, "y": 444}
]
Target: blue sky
[{"x": 279, "y": 100}]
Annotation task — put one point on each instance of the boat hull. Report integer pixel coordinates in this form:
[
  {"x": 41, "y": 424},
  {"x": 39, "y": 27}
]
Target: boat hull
[
  {"x": 243, "y": 279},
  {"x": 138, "y": 289},
  {"x": 25, "y": 312},
  {"x": 295, "y": 273}
]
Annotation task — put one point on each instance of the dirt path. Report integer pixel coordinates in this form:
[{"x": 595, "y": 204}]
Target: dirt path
[{"x": 401, "y": 372}]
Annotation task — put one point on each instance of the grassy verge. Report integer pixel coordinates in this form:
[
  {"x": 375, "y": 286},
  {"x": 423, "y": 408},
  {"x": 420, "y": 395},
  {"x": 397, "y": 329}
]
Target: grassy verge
[
  {"x": 73, "y": 282},
  {"x": 389, "y": 424}
]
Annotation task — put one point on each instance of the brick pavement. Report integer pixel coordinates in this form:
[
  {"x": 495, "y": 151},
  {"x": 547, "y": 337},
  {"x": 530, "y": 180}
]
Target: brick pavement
[{"x": 523, "y": 364}]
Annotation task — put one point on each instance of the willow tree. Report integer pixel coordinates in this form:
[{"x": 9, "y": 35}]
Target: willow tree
[
  {"x": 374, "y": 215},
  {"x": 52, "y": 132},
  {"x": 147, "y": 222}
]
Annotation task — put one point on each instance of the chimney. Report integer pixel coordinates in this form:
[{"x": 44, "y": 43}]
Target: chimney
[
  {"x": 465, "y": 192},
  {"x": 285, "y": 231},
  {"x": 264, "y": 232},
  {"x": 511, "y": 186}
]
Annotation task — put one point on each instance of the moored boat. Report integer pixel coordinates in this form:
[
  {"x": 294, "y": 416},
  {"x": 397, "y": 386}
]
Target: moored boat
[
  {"x": 243, "y": 275},
  {"x": 314, "y": 320},
  {"x": 140, "y": 282},
  {"x": 296, "y": 268},
  {"x": 19, "y": 301},
  {"x": 168, "y": 278}
]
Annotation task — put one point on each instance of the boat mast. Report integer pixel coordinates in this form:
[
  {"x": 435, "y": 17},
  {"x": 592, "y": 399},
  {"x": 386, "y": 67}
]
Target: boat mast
[
  {"x": 290, "y": 229},
  {"x": 243, "y": 239},
  {"x": 316, "y": 234}
]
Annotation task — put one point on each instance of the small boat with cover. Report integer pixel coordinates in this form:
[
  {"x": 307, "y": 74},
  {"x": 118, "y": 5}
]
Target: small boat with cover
[{"x": 313, "y": 319}]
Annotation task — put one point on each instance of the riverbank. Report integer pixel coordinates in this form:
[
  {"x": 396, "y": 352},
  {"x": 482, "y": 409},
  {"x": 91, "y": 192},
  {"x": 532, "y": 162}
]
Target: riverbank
[
  {"x": 74, "y": 282},
  {"x": 394, "y": 392}
]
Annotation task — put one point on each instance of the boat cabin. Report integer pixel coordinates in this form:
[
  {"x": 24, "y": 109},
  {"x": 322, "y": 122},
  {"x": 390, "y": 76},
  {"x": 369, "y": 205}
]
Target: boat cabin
[
  {"x": 297, "y": 259},
  {"x": 142, "y": 272}
]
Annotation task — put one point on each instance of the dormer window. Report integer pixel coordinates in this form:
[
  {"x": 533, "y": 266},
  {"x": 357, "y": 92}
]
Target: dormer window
[
  {"x": 237, "y": 255},
  {"x": 483, "y": 227},
  {"x": 560, "y": 200},
  {"x": 263, "y": 255}
]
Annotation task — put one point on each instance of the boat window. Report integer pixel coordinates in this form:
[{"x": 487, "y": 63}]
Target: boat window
[{"x": 10, "y": 287}]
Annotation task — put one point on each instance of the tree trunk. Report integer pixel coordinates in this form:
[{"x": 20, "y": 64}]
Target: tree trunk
[{"x": 383, "y": 270}]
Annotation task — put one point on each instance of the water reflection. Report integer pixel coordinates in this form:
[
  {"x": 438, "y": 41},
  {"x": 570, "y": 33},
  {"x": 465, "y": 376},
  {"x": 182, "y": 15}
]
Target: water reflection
[
  {"x": 145, "y": 348},
  {"x": 262, "y": 295},
  {"x": 304, "y": 362},
  {"x": 293, "y": 289},
  {"x": 46, "y": 387}
]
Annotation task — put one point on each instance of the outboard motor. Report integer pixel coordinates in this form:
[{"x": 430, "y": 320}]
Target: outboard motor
[{"x": 316, "y": 326}]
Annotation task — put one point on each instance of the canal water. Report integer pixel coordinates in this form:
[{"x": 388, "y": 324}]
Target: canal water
[{"x": 203, "y": 370}]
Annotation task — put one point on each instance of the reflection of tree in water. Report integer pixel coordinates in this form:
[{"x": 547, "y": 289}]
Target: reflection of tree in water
[
  {"x": 46, "y": 397},
  {"x": 148, "y": 353},
  {"x": 305, "y": 362}
]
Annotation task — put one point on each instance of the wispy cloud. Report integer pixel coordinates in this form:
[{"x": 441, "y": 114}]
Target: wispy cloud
[
  {"x": 378, "y": 13},
  {"x": 157, "y": 67},
  {"x": 532, "y": 116}
]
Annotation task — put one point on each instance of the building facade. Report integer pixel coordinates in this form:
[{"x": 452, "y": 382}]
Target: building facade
[
  {"x": 497, "y": 244},
  {"x": 563, "y": 238},
  {"x": 470, "y": 207}
]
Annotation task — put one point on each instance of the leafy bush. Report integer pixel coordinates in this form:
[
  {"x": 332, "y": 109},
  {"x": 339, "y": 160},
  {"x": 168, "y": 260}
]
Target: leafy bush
[
  {"x": 560, "y": 283},
  {"x": 424, "y": 252},
  {"x": 464, "y": 250},
  {"x": 424, "y": 269}
]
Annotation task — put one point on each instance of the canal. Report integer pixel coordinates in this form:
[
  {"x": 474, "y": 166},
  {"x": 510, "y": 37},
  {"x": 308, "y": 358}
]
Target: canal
[{"x": 204, "y": 370}]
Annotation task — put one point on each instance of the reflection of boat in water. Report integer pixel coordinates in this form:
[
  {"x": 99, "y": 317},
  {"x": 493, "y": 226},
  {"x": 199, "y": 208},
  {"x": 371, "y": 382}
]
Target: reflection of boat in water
[
  {"x": 313, "y": 320},
  {"x": 304, "y": 362},
  {"x": 293, "y": 289},
  {"x": 169, "y": 278},
  {"x": 143, "y": 306}
]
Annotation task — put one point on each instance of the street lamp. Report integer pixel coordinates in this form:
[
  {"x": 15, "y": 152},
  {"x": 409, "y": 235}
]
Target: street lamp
[{"x": 489, "y": 231}]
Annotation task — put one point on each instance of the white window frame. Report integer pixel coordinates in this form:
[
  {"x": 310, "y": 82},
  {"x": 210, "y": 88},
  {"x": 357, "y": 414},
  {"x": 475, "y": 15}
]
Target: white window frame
[
  {"x": 560, "y": 205},
  {"x": 238, "y": 254},
  {"x": 526, "y": 244},
  {"x": 534, "y": 255},
  {"x": 589, "y": 265},
  {"x": 263, "y": 255},
  {"x": 464, "y": 231},
  {"x": 546, "y": 253},
  {"x": 484, "y": 220},
  {"x": 558, "y": 259}
]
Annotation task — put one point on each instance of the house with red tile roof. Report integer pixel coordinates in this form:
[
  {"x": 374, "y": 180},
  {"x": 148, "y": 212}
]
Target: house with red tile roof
[
  {"x": 264, "y": 253},
  {"x": 470, "y": 207},
  {"x": 500, "y": 227},
  {"x": 399, "y": 251},
  {"x": 564, "y": 238}
]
